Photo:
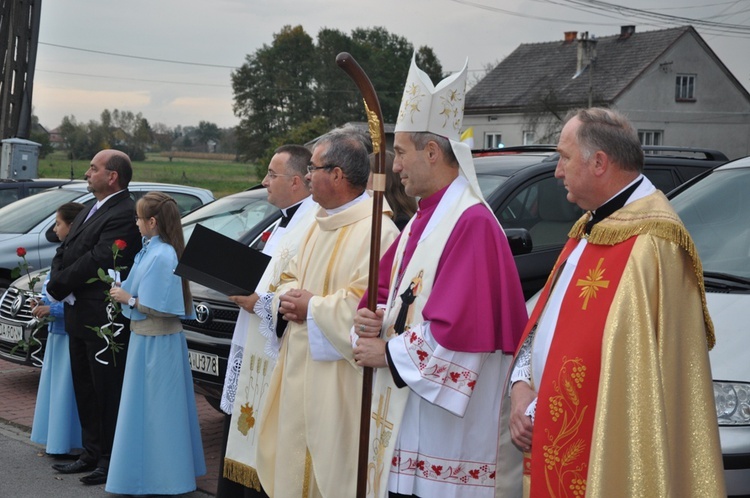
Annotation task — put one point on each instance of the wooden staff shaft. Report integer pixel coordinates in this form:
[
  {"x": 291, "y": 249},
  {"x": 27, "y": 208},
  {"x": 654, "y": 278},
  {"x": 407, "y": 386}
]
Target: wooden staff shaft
[{"x": 377, "y": 132}]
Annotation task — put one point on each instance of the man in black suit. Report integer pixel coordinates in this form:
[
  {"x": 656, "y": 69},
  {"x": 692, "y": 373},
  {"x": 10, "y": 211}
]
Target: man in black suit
[{"x": 97, "y": 371}]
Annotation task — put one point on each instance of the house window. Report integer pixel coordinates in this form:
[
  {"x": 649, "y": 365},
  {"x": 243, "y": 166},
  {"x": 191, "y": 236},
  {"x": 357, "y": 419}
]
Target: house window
[
  {"x": 685, "y": 88},
  {"x": 493, "y": 140},
  {"x": 651, "y": 137},
  {"x": 528, "y": 138}
]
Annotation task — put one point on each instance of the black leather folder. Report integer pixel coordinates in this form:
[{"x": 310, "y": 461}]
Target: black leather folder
[{"x": 221, "y": 263}]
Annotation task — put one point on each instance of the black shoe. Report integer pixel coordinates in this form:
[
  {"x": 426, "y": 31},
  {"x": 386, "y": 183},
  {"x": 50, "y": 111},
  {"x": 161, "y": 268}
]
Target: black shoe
[
  {"x": 98, "y": 476},
  {"x": 73, "y": 468}
]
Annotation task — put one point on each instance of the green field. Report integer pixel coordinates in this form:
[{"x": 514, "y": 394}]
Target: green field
[{"x": 220, "y": 177}]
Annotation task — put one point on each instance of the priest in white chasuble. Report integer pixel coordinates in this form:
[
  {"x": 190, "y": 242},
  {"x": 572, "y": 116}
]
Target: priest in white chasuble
[{"x": 309, "y": 425}]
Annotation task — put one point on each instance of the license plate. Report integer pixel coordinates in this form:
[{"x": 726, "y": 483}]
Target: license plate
[
  {"x": 203, "y": 362},
  {"x": 12, "y": 333}
]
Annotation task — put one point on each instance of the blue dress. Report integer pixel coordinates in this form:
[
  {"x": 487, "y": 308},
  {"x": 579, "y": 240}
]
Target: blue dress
[
  {"x": 56, "y": 422},
  {"x": 157, "y": 447}
]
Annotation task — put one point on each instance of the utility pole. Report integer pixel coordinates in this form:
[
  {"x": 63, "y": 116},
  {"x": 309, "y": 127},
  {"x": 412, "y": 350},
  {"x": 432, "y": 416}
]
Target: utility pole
[{"x": 19, "y": 38}]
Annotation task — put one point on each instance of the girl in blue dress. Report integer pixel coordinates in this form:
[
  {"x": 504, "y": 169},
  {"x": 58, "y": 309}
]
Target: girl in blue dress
[
  {"x": 56, "y": 422},
  {"x": 157, "y": 447}
]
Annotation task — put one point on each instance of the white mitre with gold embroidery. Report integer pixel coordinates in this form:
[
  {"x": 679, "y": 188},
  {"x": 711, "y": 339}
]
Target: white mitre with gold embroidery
[{"x": 439, "y": 110}]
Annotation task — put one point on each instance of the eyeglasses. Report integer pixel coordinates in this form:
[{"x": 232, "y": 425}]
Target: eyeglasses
[
  {"x": 311, "y": 167},
  {"x": 272, "y": 175}
]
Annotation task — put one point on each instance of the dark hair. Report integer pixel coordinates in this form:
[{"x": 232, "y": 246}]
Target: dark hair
[
  {"x": 611, "y": 132},
  {"x": 347, "y": 151},
  {"x": 403, "y": 206},
  {"x": 164, "y": 208},
  {"x": 69, "y": 211},
  {"x": 422, "y": 138},
  {"x": 120, "y": 163},
  {"x": 299, "y": 158}
]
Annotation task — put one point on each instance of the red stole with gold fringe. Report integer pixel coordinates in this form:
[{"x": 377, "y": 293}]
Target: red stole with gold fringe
[{"x": 566, "y": 403}]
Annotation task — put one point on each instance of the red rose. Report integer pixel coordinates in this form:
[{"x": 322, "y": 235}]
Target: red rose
[
  {"x": 21, "y": 252},
  {"x": 121, "y": 244},
  {"x": 265, "y": 236}
]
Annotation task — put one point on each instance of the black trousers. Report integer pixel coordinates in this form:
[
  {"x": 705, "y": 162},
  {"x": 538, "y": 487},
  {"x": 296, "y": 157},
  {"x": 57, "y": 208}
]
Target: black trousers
[{"x": 97, "y": 390}]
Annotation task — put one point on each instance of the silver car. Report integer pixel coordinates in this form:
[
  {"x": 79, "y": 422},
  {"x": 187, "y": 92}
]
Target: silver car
[
  {"x": 716, "y": 212},
  {"x": 28, "y": 222}
]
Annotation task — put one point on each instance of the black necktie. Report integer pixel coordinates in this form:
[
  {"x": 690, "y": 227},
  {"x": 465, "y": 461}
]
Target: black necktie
[
  {"x": 611, "y": 206},
  {"x": 286, "y": 218}
]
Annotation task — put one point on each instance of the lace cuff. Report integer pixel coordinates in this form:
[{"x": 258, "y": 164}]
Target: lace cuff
[
  {"x": 522, "y": 368},
  {"x": 531, "y": 410},
  {"x": 267, "y": 329}
]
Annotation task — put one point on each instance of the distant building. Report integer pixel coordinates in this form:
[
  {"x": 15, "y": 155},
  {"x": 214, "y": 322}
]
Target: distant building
[
  {"x": 56, "y": 139},
  {"x": 669, "y": 82}
]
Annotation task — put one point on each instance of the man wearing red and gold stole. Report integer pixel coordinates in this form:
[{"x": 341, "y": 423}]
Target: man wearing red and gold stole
[{"x": 611, "y": 388}]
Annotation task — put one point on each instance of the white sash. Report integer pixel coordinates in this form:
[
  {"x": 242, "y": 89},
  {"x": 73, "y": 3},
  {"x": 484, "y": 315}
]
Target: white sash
[{"x": 389, "y": 402}]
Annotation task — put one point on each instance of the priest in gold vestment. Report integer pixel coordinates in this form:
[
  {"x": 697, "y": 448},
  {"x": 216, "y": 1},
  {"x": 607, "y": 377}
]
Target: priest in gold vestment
[
  {"x": 611, "y": 389},
  {"x": 309, "y": 425}
]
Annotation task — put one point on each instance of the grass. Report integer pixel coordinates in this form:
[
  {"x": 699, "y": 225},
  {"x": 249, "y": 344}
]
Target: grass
[{"x": 220, "y": 177}]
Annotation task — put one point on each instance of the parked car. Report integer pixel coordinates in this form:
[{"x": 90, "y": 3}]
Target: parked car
[
  {"x": 12, "y": 190},
  {"x": 716, "y": 211},
  {"x": 243, "y": 216},
  {"x": 517, "y": 182},
  {"x": 28, "y": 222}
]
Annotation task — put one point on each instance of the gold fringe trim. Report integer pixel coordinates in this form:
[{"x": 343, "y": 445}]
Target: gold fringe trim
[
  {"x": 654, "y": 220},
  {"x": 241, "y": 474}
]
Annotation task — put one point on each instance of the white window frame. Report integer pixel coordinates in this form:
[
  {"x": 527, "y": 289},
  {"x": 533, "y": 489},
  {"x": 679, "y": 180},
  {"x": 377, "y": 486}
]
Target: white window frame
[
  {"x": 685, "y": 88},
  {"x": 529, "y": 138},
  {"x": 651, "y": 137},
  {"x": 492, "y": 140}
]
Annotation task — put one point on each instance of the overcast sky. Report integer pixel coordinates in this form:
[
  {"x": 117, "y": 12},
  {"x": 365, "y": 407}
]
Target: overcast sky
[{"x": 72, "y": 79}]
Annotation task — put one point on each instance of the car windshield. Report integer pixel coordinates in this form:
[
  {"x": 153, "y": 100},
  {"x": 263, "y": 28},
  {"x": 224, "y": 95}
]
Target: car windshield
[
  {"x": 490, "y": 183},
  {"x": 23, "y": 215},
  {"x": 231, "y": 216},
  {"x": 715, "y": 211}
]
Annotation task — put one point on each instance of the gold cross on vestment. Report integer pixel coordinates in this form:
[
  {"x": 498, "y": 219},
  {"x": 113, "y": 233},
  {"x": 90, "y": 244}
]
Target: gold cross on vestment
[
  {"x": 381, "y": 417},
  {"x": 592, "y": 283}
]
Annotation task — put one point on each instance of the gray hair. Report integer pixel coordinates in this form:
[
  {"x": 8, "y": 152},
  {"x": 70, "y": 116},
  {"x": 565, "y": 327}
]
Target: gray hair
[
  {"x": 612, "y": 133},
  {"x": 421, "y": 138},
  {"x": 348, "y": 151}
]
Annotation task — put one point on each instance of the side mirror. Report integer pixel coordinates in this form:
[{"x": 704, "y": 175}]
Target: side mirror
[
  {"x": 51, "y": 236},
  {"x": 519, "y": 240}
]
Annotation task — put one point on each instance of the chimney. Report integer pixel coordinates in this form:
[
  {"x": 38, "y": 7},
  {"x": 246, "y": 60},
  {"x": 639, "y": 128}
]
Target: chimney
[
  {"x": 626, "y": 32},
  {"x": 570, "y": 37},
  {"x": 586, "y": 52},
  {"x": 581, "y": 62}
]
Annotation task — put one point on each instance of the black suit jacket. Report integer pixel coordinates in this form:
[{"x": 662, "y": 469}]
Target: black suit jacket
[{"x": 87, "y": 248}]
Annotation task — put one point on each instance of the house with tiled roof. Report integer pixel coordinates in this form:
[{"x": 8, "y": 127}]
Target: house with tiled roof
[{"x": 669, "y": 82}]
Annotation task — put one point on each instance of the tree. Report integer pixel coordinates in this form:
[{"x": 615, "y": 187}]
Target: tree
[
  {"x": 273, "y": 89},
  {"x": 76, "y": 138},
  {"x": 40, "y": 136},
  {"x": 143, "y": 136},
  {"x": 207, "y": 131},
  {"x": 294, "y": 81}
]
